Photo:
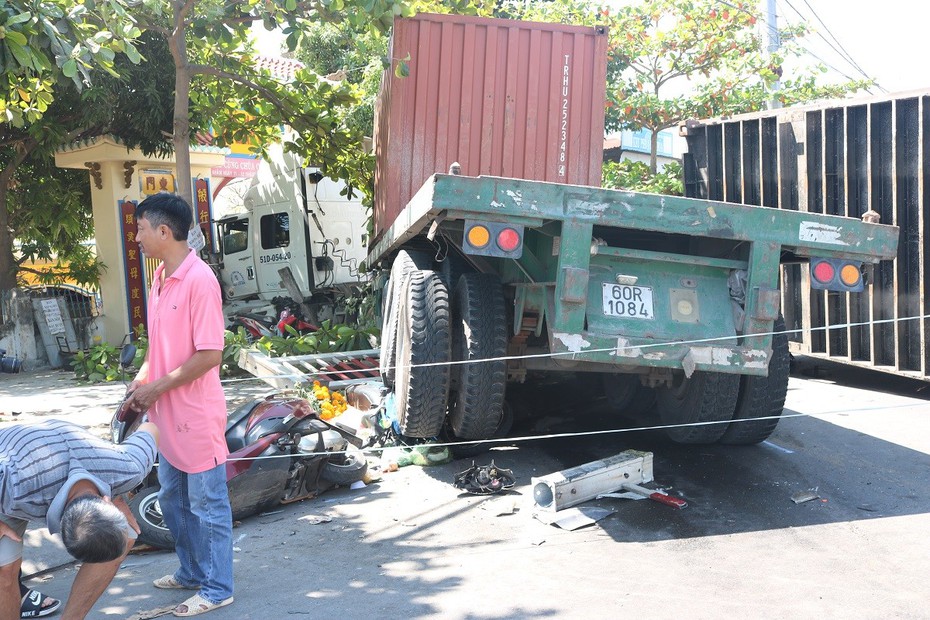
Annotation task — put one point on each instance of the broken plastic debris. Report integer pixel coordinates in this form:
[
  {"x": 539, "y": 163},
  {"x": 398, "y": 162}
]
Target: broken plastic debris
[{"x": 358, "y": 484}]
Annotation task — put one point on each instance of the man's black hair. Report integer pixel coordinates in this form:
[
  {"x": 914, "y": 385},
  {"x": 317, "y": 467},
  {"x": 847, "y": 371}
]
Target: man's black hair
[
  {"x": 170, "y": 210},
  {"x": 93, "y": 530}
]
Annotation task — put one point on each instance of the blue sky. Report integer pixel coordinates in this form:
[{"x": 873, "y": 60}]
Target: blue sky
[{"x": 887, "y": 39}]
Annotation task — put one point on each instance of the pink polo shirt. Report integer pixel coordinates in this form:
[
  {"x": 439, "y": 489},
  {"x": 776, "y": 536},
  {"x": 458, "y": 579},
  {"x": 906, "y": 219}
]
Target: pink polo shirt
[{"x": 185, "y": 315}]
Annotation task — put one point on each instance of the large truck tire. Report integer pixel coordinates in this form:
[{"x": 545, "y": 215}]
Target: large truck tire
[
  {"x": 707, "y": 399},
  {"x": 479, "y": 332},
  {"x": 405, "y": 262},
  {"x": 472, "y": 448},
  {"x": 762, "y": 397},
  {"x": 423, "y": 355}
]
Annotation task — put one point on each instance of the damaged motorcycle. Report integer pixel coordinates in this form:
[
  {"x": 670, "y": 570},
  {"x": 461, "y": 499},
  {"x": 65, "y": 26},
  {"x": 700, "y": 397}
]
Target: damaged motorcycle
[{"x": 280, "y": 451}]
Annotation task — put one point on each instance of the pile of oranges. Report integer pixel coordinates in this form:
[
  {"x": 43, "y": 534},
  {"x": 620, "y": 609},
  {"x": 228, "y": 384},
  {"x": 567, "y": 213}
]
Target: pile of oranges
[{"x": 329, "y": 404}]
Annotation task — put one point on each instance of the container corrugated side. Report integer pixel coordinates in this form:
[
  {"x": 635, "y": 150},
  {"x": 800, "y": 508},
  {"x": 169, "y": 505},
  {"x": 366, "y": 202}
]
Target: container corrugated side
[{"x": 500, "y": 97}]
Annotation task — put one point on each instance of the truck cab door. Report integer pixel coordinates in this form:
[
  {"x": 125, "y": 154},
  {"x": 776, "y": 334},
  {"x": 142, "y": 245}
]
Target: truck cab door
[
  {"x": 280, "y": 240},
  {"x": 238, "y": 270}
]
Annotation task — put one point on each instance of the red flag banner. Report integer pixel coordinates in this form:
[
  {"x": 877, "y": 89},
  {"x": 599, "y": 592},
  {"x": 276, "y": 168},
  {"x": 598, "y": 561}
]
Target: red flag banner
[{"x": 132, "y": 260}]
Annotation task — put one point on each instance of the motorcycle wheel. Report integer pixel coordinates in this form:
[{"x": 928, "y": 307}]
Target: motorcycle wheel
[
  {"x": 345, "y": 469},
  {"x": 145, "y": 508}
]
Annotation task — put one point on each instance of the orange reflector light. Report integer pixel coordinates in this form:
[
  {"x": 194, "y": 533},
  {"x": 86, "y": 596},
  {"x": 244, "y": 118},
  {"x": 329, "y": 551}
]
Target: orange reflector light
[
  {"x": 824, "y": 272},
  {"x": 837, "y": 274},
  {"x": 479, "y": 236},
  {"x": 508, "y": 240},
  {"x": 850, "y": 274}
]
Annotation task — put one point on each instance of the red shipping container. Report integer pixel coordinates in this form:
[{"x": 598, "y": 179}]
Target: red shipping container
[{"x": 500, "y": 97}]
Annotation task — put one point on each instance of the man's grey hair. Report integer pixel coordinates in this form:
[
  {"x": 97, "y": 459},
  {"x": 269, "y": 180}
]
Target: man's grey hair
[{"x": 93, "y": 530}]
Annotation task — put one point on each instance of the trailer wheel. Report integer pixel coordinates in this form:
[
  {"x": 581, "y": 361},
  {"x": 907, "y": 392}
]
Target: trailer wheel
[
  {"x": 469, "y": 450},
  {"x": 707, "y": 397},
  {"x": 423, "y": 355},
  {"x": 762, "y": 397},
  {"x": 405, "y": 262},
  {"x": 479, "y": 332},
  {"x": 626, "y": 395}
]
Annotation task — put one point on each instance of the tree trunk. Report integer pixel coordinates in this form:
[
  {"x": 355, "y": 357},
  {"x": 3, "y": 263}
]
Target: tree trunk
[
  {"x": 8, "y": 265},
  {"x": 182, "y": 89},
  {"x": 182, "y": 134},
  {"x": 653, "y": 152},
  {"x": 7, "y": 260}
]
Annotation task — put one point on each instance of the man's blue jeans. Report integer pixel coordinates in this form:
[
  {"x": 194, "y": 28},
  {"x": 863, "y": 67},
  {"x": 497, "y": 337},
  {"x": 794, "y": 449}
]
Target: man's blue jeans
[{"x": 196, "y": 510}]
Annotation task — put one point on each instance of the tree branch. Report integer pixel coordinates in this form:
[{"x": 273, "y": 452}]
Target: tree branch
[
  {"x": 266, "y": 92},
  {"x": 29, "y": 145},
  {"x": 180, "y": 18}
]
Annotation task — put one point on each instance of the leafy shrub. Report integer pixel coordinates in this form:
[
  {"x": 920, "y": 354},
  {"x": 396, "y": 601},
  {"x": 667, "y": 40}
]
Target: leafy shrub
[
  {"x": 328, "y": 339},
  {"x": 99, "y": 363},
  {"x": 636, "y": 177},
  {"x": 233, "y": 343}
]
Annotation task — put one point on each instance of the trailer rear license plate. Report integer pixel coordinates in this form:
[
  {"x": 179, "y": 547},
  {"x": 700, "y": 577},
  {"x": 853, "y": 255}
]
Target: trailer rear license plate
[{"x": 628, "y": 301}]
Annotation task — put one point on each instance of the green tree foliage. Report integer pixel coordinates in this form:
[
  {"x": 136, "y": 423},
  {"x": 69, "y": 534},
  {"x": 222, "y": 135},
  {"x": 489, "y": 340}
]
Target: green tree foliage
[
  {"x": 216, "y": 72},
  {"x": 686, "y": 59},
  {"x": 44, "y": 43},
  {"x": 48, "y": 52},
  {"x": 48, "y": 209},
  {"x": 359, "y": 57},
  {"x": 636, "y": 176}
]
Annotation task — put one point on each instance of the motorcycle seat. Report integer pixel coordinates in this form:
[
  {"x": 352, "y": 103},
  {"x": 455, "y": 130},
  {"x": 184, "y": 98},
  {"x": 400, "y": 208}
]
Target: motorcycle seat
[{"x": 237, "y": 424}]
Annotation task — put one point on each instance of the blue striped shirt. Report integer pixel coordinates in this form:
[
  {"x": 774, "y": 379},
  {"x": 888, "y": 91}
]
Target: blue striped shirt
[{"x": 36, "y": 460}]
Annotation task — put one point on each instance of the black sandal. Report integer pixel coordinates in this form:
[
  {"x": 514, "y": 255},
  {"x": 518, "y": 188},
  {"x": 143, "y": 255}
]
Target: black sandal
[{"x": 31, "y": 605}]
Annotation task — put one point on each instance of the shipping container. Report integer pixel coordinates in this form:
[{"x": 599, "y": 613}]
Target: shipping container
[
  {"x": 841, "y": 158},
  {"x": 500, "y": 97}
]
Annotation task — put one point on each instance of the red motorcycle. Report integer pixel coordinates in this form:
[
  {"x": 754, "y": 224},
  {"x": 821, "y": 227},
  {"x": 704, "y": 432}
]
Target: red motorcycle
[
  {"x": 259, "y": 325},
  {"x": 281, "y": 451}
]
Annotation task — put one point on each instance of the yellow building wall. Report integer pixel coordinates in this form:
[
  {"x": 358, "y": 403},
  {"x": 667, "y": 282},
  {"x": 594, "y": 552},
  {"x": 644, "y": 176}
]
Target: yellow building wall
[{"x": 114, "y": 173}]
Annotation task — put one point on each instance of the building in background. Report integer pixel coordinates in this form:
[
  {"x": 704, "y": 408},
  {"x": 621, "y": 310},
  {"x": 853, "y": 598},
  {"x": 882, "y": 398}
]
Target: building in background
[{"x": 634, "y": 145}]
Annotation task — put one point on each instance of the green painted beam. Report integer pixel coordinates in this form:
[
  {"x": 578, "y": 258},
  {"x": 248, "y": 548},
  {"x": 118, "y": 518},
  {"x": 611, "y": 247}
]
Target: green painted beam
[{"x": 805, "y": 234}]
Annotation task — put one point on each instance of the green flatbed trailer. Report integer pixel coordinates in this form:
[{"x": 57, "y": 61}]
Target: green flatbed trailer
[{"x": 676, "y": 300}]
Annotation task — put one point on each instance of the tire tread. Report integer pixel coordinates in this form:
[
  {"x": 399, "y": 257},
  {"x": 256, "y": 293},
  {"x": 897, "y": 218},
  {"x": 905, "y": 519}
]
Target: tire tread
[
  {"x": 480, "y": 328},
  {"x": 422, "y": 408},
  {"x": 762, "y": 397}
]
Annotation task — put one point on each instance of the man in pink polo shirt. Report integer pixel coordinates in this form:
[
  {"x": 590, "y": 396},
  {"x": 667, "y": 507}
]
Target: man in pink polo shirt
[{"x": 179, "y": 385}]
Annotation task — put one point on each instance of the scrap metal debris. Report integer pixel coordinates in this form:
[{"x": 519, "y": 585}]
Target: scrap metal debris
[
  {"x": 574, "y": 518},
  {"x": 805, "y": 496},
  {"x": 485, "y": 479},
  {"x": 316, "y": 519},
  {"x": 500, "y": 506},
  {"x": 153, "y": 613},
  {"x": 636, "y": 491}
]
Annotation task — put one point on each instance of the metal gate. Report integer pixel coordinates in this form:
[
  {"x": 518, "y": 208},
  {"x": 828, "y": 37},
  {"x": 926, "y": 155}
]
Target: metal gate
[{"x": 840, "y": 158}]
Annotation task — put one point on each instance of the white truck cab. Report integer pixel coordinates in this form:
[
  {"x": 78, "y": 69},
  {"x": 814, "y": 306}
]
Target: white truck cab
[{"x": 295, "y": 218}]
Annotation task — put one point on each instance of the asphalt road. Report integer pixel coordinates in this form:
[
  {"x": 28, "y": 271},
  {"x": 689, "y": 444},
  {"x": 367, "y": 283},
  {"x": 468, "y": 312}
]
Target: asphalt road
[{"x": 412, "y": 546}]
